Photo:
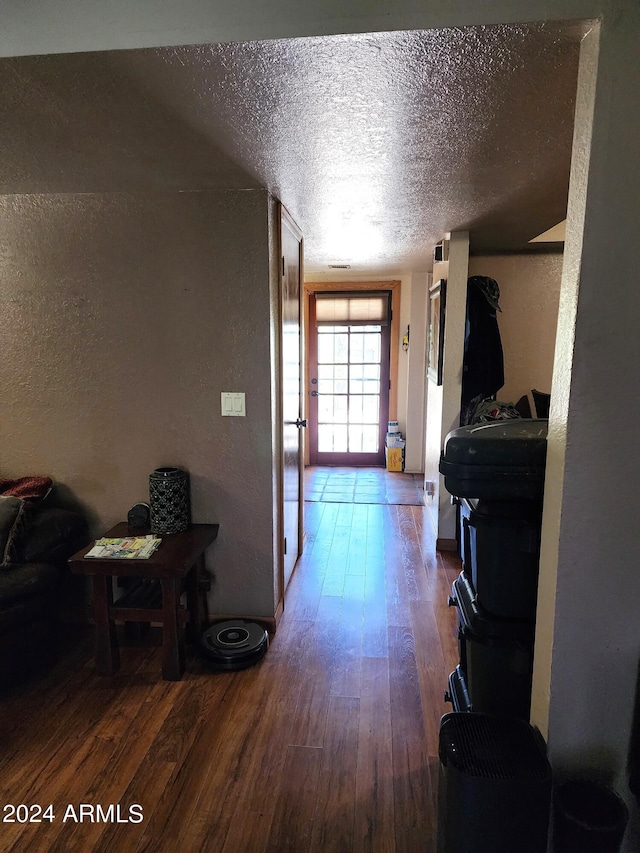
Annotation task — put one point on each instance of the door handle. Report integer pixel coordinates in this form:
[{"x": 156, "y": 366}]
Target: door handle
[{"x": 301, "y": 422}]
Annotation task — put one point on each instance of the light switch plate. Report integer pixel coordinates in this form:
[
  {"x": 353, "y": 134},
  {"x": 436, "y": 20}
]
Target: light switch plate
[{"x": 233, "y": 404}]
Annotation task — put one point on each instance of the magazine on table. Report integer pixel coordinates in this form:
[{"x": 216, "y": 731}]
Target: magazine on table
[{"x": 126, "y": 548}]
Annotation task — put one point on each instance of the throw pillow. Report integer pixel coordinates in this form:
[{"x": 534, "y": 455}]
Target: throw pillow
[
  {"x": 12, "y": 518},
  {"x": 27, "y": 488}
]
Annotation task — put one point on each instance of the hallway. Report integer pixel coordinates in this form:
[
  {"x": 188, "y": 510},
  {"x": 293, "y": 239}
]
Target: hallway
[
  {"x": 328, "y": 744},
  {"x": 380, "y": 647}
]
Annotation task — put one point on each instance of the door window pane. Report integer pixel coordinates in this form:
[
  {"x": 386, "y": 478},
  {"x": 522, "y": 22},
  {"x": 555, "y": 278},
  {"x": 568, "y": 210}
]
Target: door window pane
[
  {"x": 363, "y": 438},
  {"x": 332, "y": 378},
  {"x": 372, "y": 347},
  {"x": 357, "y": 348},
  {"x": 355, "y": 410},
  {"x": 332, "y": 409},
  {"x": 333, "y": 348},
  {"x": 370, "y": 409},
  {"x": 364, "y": 379},
  {"x": 349, "y": 388},
  {"x": 332, "y": 439}
]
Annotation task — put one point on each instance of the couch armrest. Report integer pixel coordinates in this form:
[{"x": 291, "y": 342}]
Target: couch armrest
[{"x": 53, "y": 535}]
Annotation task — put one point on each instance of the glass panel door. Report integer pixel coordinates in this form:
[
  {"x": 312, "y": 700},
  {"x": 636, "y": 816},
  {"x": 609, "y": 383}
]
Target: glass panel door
[{"x": 350, "y": 394}]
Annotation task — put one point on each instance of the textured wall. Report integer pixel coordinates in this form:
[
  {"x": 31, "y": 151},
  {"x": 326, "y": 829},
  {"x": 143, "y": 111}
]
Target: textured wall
[
  {"x": 529, "y": 295},
  {"x": 123, "y": 319},
  {"x": 591, "y": 642}
]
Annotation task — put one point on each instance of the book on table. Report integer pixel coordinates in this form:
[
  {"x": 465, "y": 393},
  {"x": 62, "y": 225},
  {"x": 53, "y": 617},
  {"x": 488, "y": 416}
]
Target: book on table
[{"x": 126, "y": 548}]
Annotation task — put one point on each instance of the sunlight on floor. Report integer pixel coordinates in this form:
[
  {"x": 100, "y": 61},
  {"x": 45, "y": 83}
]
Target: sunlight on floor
[{"x": 362, "y": 485}]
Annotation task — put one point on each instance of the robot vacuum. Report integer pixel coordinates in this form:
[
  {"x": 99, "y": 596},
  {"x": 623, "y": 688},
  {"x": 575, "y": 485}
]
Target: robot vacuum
[{"x": 233, "y": 644}]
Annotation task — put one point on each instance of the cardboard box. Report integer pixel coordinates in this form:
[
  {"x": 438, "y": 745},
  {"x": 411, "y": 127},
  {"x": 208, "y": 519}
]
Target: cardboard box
[{"x": 394, "y": 457}]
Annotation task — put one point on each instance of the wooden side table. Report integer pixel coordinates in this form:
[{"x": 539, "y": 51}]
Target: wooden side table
[{"x": 178, "y": 565}]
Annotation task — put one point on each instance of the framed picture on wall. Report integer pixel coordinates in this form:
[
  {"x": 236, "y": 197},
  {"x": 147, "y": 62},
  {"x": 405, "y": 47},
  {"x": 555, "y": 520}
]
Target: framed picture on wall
[{"x": 435, "y": 351}]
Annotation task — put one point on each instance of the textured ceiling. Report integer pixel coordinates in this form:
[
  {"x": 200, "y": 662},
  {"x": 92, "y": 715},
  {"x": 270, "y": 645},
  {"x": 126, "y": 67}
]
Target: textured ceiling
[{"x": 377, "y": 144}]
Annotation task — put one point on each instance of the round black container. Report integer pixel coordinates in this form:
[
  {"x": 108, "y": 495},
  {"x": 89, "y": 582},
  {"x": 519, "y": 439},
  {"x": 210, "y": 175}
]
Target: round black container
[
  {"x": 169, "y": 500},
  {"x": 588, "y": 818}
]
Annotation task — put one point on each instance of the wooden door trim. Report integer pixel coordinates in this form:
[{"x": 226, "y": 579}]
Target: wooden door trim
[
  {"x": 345, "y": 286},
  {"x": 285, "y": 218}
]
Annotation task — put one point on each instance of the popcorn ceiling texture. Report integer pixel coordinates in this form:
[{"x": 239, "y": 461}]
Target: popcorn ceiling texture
[{"x": 378, "y": 144}]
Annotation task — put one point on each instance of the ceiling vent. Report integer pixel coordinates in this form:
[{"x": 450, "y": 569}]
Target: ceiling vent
[{"x": 339, "y": 266}]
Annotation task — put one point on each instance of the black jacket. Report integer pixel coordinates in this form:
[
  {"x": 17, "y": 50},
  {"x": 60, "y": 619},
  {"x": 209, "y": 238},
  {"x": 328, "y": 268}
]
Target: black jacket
[{"x": 483, "y": 364}]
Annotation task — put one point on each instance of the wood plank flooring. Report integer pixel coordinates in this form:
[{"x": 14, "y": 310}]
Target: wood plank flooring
[{"x": 328, "y": 744}]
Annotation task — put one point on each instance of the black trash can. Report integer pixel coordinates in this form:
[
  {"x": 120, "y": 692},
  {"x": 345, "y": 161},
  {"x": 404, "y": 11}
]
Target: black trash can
[
  {"x": 588, "y": 818},
  {"x": 494, "y": 791}
]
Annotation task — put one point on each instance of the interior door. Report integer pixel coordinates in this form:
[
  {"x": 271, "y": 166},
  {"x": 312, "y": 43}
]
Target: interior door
[{"x": 291, "y": 280}]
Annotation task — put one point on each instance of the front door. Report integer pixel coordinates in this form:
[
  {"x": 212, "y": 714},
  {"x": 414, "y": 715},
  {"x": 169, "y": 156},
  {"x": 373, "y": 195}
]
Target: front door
[
  {"x": 291, "y": 273},
  {"x": 349, "y": 377}
]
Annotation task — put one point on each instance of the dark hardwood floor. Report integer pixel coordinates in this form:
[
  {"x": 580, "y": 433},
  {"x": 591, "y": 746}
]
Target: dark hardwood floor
[{"x": 328, "y": 744}]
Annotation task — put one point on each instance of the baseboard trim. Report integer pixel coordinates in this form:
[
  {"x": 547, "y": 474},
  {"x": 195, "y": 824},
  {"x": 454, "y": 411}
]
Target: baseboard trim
[
  {"x": 279, "y": 614},
  {"x": 446, "y": 544}
]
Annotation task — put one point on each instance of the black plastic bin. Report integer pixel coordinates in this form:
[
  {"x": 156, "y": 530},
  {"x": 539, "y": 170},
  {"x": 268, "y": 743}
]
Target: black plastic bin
[
  {"x": 500, "y": 550},
  {"x": 496, "y": 657},
  {"x": 494, "y": 789},
  {"x": 500, "y": 461},
  {"x": 588, "y": 818},
  {"x": 458, "y": 693}
]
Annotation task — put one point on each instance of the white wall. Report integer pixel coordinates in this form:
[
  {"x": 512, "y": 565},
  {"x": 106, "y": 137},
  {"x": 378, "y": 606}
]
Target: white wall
[
  {"x": 529, "y": 297},
  {"x": 416, "y": 372},
  {"x": 443, "y": 402}
]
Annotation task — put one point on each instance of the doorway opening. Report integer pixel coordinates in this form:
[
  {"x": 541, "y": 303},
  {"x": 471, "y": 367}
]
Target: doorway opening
[
  {"x": 349, "y": 366},
  {"x": 352, "y": 338}
]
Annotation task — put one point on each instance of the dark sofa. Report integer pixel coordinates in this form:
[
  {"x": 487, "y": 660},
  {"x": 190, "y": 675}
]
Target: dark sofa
[{"x": 36, "y": 538}]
